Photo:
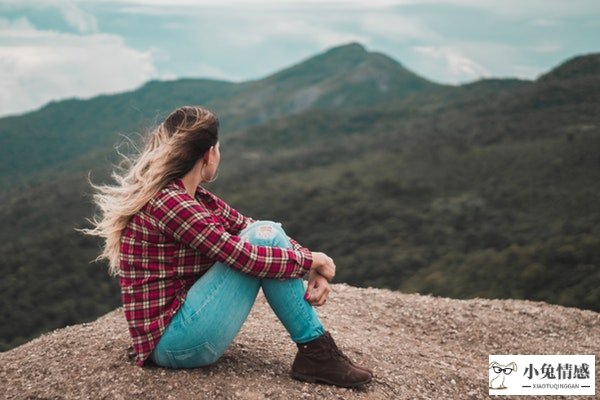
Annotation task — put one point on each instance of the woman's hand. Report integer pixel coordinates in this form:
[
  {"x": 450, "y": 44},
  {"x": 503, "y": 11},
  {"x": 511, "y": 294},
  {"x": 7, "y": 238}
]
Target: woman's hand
[
  {"x": 324, "y": 265},
  {"x": 318, "y": 288}
]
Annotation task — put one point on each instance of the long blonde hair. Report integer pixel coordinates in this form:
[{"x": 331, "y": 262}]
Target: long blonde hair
[{"x": 171, "y": 150}]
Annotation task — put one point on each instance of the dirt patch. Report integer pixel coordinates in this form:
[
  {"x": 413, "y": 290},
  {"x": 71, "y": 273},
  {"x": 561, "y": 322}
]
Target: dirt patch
[{"x": 420, "y": 347}]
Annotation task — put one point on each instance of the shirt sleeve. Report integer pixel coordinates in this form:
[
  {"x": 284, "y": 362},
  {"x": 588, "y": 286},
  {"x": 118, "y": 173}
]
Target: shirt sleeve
[
  {"x": 295, "y": 245},
  {"x": 182, "y": 218},
  {"x": 236, "y": 220}
]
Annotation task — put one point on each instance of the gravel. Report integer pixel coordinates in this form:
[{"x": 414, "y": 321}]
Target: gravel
[{"x": 419, "y": 346}]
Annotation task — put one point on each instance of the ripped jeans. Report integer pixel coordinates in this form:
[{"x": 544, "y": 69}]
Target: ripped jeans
[{"x": 219, "y": 302}]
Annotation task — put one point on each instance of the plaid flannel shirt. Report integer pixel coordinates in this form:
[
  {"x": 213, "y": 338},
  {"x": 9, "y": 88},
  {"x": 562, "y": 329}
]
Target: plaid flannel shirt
[{"x": 172, "y": 241}]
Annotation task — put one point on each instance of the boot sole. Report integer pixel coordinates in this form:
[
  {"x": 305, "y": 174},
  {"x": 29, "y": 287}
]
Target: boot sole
[{"x": 314, "y": 379}]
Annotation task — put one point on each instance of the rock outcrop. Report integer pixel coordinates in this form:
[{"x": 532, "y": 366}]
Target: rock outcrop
[{"x": 420, "y": 347}]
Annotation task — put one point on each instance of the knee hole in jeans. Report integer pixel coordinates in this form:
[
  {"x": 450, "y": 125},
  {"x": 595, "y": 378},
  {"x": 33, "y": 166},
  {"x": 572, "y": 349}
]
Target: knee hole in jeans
[{"x": 273, "y": 235}]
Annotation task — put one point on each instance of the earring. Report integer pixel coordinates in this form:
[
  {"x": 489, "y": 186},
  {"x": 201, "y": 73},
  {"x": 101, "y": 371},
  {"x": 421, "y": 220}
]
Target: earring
[{"x": 202, "y": 174}]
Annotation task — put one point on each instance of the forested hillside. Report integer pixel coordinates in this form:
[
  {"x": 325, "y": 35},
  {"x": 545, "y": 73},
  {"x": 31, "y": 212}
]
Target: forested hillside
[{"x": 488, "y": 189}]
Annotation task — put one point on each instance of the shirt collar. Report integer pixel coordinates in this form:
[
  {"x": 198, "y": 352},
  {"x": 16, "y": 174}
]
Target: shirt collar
[{"x": 200, "y": 191}]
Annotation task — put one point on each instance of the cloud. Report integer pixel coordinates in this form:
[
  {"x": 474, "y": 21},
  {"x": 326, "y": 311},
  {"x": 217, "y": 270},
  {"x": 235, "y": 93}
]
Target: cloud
[
  {"x": 72, "y": 14},
  {"x": 459, "y": 66},
  {"x": 19, "y": 24},
  {"x": 213, "y": 72},
  {"x": 76, "y": 17},
  {"x": 463, "y": 61},
  {"x": 548, "y": 47},
  {"x": 319, "y": 34},
  {"x": 545, "y": 22},
  {"x": 513, "y": 8},
  {"x": 525, "y": 71},
  {"x": 273, "y": 27},
  {"x": 37, "y": 66},
  {"x": 254, "y": 23},
  {"x": 397, "y": 28},
  {"x": 534, "y": 8},
  {"x": 259, "y": 3}
]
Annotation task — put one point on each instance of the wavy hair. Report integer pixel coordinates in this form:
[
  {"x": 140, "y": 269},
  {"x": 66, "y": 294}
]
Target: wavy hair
[{"x": 170, "y": 150}]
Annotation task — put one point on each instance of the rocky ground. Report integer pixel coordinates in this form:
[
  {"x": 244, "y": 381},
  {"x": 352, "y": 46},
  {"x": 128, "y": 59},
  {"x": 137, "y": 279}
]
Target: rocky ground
[{"x": 420, "y": 347}]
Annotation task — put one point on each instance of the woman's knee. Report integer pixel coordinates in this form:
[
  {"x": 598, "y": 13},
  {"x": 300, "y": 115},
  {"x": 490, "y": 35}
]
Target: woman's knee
[
  {"x": 261, "y": 223},
  {"x": 266, "y": 232}
]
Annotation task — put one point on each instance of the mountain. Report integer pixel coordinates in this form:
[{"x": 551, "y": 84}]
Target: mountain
[
  {"x": 63, "y": 131},
  {"x": 344, "y": 77},
  {"x": 579, "y": 67},
  {"x": 419, "y": 347},
  {"x": 482, "y": 190}
]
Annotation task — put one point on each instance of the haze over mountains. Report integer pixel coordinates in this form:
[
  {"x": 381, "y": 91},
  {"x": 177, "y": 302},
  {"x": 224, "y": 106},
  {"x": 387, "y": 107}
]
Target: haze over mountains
[{"x": 487, "y": 189}]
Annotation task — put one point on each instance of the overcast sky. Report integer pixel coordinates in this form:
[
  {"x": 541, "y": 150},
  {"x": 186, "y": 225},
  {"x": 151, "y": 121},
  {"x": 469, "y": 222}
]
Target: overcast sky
[{"x": 56, "y": 49}]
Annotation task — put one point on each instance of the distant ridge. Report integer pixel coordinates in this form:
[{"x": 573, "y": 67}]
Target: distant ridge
[{"x": 587, "y": 65}]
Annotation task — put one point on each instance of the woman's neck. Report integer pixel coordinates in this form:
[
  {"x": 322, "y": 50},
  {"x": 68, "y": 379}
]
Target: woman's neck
[{"x": 191, "y": 182}]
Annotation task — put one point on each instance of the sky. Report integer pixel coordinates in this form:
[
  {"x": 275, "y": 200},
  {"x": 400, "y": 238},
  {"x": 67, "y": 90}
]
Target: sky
[{"x": 58, "y": 49}]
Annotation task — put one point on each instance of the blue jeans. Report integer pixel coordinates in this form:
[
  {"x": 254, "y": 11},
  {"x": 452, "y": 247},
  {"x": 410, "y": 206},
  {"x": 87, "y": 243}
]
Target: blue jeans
[{"x": 219, "y": 302}]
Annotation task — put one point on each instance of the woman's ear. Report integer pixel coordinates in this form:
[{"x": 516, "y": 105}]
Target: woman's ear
[{"x": 207, "y": 155}]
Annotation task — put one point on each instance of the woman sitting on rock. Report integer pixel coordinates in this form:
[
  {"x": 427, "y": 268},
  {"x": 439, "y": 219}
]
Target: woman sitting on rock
[{"x": 190, "y": 266}]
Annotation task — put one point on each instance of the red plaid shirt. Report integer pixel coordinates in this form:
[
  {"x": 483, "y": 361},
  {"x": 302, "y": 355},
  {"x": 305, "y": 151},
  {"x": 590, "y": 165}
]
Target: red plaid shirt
[{"x": 172, "y": 241}]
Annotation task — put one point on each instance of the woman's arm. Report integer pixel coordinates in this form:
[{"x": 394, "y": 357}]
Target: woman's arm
[
  {"x": 322, "y": 263},
  {"x": 295, "y": 245},
  {"x": 182, "y": 218},
  {"x": 236, "y": 220}
]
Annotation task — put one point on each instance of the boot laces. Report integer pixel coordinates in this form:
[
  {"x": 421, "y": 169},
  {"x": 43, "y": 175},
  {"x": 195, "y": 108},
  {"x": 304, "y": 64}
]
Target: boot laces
[{"x": 336, "y": 351}]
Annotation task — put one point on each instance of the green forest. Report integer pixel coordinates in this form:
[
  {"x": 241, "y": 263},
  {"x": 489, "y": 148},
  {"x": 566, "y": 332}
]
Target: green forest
[{"x": 489, "y": 189}]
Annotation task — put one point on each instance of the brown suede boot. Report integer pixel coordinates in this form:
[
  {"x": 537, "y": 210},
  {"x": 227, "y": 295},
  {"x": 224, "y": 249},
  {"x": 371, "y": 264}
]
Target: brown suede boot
[{"x": 320, "y": 360}]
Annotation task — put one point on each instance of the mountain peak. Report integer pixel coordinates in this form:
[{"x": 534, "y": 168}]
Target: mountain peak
[
  {"x": 352, "y": 47},
  {"x": 419, "y": 346},
  {"x": 575, "y": 67},
  {"x": 334, "y": 58},
  {"x": 345, "y": 76}
]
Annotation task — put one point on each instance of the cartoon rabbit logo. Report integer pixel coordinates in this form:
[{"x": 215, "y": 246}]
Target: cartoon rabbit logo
[{"x": 499, "y": 374}]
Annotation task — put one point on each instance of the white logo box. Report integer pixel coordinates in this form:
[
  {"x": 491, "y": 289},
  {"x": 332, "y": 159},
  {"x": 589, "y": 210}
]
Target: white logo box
[{"x": 542, "y": 374}]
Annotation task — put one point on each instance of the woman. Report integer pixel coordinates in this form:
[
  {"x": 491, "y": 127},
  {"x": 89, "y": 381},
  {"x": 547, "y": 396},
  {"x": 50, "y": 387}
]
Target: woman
[{"x": 190, "y": 265}]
